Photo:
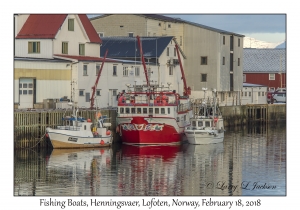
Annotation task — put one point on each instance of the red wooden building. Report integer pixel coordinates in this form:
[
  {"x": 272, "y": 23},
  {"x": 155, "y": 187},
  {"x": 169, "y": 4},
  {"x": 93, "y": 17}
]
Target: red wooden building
[{"x": 265, "y": 67}]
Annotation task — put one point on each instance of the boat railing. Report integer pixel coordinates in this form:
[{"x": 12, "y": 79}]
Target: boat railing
[
  {"x": 184, "y": 107},
  {"x": 67, "y": 127}
]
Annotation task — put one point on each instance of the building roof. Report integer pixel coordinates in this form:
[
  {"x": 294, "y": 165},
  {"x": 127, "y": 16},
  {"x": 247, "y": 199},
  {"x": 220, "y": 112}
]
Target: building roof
[
  {"x": 46, "y": 26},
  {"x": 177, "y": 20},
  {"x": 124, "y": 47},
  {"x": 264, "y": 60},
  {"x": 83, "y": 58},
  {"x": 253, "y": 85}
]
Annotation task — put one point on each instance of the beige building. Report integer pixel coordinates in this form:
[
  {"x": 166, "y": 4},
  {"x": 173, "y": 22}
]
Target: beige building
[{"x": 214, "y": 58}]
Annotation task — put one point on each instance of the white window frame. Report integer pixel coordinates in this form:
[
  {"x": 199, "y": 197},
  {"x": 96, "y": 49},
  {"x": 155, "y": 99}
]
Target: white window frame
[
  {"x": 271, "y": 76},
  {"x": 171, "y": 70},
  {"x": 97, "y": 70},
  {"x": 115, "y": 66},
  {"x": 125, "y": 71},
  {"x": 85, "y": 71},
  {"x": 101, "y": 34},
  {"x": 137, "y": 71},
  {"x": 98, "y": 91},
  {"x": 83, "y": 95},
  {"x": 81, "y": 49}
]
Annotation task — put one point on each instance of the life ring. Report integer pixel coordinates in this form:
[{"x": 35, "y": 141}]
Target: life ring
[{"x": 101, "y": 142}]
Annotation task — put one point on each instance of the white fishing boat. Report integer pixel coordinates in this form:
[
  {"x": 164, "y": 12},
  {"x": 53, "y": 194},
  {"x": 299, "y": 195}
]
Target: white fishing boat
[
  {"x": 207, "y": 125},
  {"x": 77, "y": 132}
]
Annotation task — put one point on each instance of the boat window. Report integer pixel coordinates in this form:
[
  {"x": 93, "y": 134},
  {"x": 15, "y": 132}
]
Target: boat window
[
  {"x": 162, "y": 110},
  {"x": 144, "y": 110},
  {"x": 127, "y": 111},
  {"x": 156, "y": 110},
  {"x": 150, "y": 110},
  {"x": 133, "y": 110},
  {"x": 184, "y": 117},
  {"x": 200, "y": 123},
  {"x": 139, "y": 110},
  {"x": 122, "y": 110},
  {"x": 207, "y": 124},
  {"x": 168, "y": 110},
  {"x": 194, "y": 123}
]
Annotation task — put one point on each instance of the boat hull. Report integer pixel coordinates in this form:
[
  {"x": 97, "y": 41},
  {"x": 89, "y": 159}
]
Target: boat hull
[
  {"x": 204, "y": 137},
  {"x": 140, "y": 131},
  {"x": 65, "y": 141}
]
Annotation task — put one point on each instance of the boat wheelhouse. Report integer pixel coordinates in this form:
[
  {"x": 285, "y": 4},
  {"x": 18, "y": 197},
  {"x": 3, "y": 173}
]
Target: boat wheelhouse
[{"x": 153, "y": 117}]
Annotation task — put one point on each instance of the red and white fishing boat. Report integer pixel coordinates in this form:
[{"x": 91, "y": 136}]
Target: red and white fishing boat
[{"x": 150, "y": 116}]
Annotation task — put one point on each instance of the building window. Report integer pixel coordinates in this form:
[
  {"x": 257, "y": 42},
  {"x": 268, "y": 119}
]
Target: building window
[
  {"x": 180, "y": 40},
  {"x": 238, "y": 61},
  {"x": 159, "y": 24},
  {"x": 98, "y": 92},
  {"x": 203, "y": 77},
  {"x": 130, "y": 34},
  {"x": 125, "y": 71},
  {"x": 101, "y": 34},
  {"x": 97, "y": 69},
  {"x": 223, "y": 60},
  {"x": 114, "y": 92},
  {"x": 64, "y": 49},
  {"x": 70, "y": 24},
  {"x": 81, "y": 49},
  {"x": 249, "y": 94},
  {"x": 169, "y": 25},
  {"x": 30, "y": 85},
  {"x": 85, "y": 70},
  {"x": 33, "y": 47},
  {"x": 271, "y": 76},
  {"x": 203, "y": 60},
  {"x": 170, "y": 70},
  {"x": 223, "y": 40},
  {"x": 242, "y": 93},
  {"x": 24, "y": 85},
  {"x": 239, "y": 42},
  {"x": 245, "y": 93},
  {"x": 262, "y": 93},
  {"x": 114, "y": 70},
  {"x": 258, "y": 93},
  {"x": 137, "y": 71},
  {"x": 244, "y": 77},
  {"x": 20, "y": 92},
  {"x": 81, "y": 92},
  {"x": 174, "y": 51},
  {"x": 167, "y": 51}
]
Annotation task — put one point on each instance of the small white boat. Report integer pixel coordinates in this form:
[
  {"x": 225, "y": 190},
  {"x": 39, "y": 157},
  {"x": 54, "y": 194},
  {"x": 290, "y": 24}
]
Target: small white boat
[
  {"x": 76, "y": 132},
  {"x": 207, "y": 126}
]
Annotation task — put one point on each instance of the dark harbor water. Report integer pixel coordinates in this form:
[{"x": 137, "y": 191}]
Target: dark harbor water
[{"x": 250, "y": 161}]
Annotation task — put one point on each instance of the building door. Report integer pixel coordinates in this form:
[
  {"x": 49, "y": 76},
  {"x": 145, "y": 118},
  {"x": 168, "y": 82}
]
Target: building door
[
  {"x": 112, "y": 97},
  {"x": 26, "y": 93}
]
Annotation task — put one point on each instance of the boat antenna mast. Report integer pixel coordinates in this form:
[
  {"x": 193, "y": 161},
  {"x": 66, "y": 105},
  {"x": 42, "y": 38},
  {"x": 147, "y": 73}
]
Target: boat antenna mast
[
  {"x": 187, "y": 90},
  {"x": 92, "y": 100},
  {"x": 143, "y": 61}
]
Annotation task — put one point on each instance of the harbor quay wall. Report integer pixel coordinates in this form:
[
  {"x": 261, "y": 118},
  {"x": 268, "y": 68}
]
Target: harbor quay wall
[
  {"x": 30, "y": 125},
  {"x": 252, "y": 114}
]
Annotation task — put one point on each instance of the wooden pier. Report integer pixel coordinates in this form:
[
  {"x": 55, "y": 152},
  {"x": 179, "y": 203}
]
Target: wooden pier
[{"x": 30, "y": 126}]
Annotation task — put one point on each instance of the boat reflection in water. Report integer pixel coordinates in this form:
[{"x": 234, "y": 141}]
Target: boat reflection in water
[
  {"x": 149, "y": 170},
  {"x": 82, "y": 170}
]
